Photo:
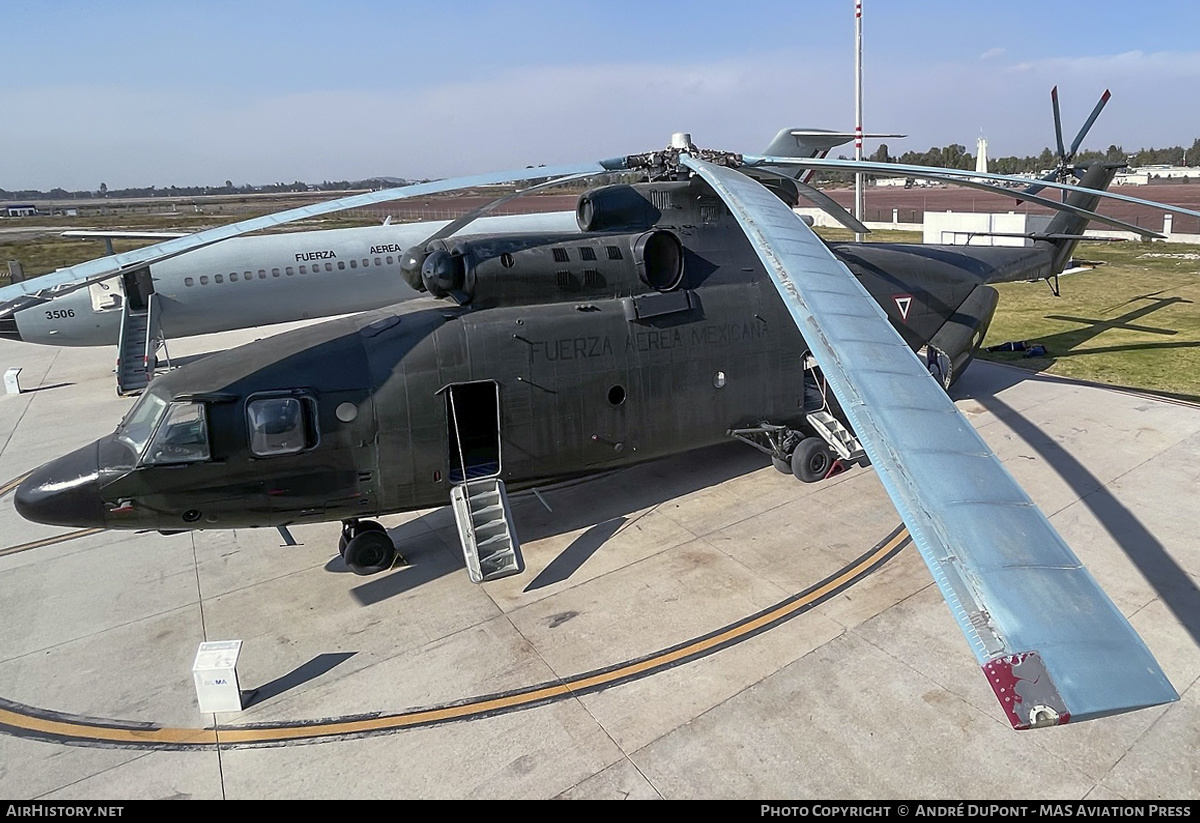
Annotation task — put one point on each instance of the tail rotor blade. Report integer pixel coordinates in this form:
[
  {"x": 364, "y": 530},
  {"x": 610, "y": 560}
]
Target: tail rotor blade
[
  {"x": 1088, "y": 124},
  {"x": 1062, "y": 152}
]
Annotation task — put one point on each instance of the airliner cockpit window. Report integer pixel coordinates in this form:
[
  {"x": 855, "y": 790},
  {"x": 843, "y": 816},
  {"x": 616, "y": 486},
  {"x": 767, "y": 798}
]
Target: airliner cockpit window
[
  {"x": 276, "y": 426},
  {"x": 182, "y": 437}
]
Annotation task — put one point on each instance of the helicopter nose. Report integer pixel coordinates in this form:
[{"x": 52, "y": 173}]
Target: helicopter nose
[
  {"x": 8, "y": 329},
  {"x": 64, "y": 492}
]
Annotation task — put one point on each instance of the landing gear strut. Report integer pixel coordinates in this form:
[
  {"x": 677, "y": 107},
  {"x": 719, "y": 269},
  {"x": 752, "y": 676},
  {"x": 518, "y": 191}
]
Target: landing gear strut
[{"x": 366, "y": 547}]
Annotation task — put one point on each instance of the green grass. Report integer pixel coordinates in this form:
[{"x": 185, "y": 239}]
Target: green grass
[{"x": 1133, "y": 321}]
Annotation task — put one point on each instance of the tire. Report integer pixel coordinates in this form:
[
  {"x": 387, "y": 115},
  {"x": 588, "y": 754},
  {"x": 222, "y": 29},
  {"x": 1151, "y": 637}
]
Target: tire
[
  {"x": 811, "y": 460},
  {"x": 355, "y": 528},
  {"x": 781, "y": 464},
  {"x": 370, "y": 552}
]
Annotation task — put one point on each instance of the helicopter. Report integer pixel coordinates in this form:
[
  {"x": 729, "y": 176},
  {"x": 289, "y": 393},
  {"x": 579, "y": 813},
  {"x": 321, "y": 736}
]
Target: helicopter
[{"x": 690, "y": 307}]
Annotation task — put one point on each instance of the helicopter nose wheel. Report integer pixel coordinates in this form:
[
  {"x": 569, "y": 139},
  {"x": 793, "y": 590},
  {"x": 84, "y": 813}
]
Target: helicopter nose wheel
[{"x": 366, "y": 547}]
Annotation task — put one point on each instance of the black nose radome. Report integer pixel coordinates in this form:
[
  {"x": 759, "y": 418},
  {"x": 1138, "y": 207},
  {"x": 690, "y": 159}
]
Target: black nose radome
[{"x": 64, "y": 492}]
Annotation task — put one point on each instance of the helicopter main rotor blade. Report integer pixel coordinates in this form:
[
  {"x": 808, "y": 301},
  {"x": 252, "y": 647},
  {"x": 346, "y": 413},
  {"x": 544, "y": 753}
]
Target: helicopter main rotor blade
[
  {"x": 818, "y": 198},
  {"x": 902, "y": 170},
  {"x": 1052, "y": 645},
  {"x": 971, "y": 183},
  {"x": 18, "y": 295},
  {"x": 458, "y": 224}
]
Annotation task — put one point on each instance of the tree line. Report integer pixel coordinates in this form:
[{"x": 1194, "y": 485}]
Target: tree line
[{"x": 196, "y": 191}]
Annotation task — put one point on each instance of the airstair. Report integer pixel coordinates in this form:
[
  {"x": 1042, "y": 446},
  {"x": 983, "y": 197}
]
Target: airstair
[
  {"x": 137, "y": 347},
  {"x": 489, "y": 541},
  {"x": 821, "y": 418},
  {"x": 839, "y": 438},
  {"x": 133, "y": 371},
  {"x": 485, "y": 528}
]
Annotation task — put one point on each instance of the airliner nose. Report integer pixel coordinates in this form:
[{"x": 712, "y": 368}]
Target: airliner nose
[
  {"x": 64, "y": 492},
  {"x": 8, "y": 328}
]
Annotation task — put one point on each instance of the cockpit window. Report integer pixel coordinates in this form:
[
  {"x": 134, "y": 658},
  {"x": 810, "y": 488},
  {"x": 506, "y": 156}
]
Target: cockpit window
[
  {"x": 276, "y": 426},
  {"x": 182, "y": 437},
  {"x": 139, "y": 424}
]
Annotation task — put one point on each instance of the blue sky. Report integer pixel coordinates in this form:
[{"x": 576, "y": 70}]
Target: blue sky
[{"x": 157, "y": 93}]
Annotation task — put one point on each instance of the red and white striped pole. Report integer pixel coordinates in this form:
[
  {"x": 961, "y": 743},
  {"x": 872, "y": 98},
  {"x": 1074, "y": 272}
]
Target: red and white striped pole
[{"x": 858, "y": 114}]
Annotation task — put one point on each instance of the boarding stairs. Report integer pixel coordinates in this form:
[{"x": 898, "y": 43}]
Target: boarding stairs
[
  {"x": 839, "y": 438},
  {"x": 132, "y": 372},
  {"x": 137, "y": 348},
  {"x": 485, "y": 529}
]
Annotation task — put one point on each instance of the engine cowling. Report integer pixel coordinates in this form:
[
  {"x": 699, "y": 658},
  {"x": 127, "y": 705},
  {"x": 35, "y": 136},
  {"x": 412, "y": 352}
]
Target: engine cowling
[{"x": 493, "y": 270}]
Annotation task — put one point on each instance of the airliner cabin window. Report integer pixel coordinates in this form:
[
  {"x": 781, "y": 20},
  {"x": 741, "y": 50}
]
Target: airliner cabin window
[{"x": 276, "y": 426}]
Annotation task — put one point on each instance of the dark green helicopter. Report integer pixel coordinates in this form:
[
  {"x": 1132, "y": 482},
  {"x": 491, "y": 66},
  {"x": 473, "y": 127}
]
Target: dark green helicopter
[{"x": 689, "y": 308}]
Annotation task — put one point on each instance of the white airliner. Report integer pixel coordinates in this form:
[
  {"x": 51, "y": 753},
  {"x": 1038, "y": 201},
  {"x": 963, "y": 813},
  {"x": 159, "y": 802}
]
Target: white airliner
[
  {"x": 253, "y": 281},
  {"x": 241, "y": 283}
]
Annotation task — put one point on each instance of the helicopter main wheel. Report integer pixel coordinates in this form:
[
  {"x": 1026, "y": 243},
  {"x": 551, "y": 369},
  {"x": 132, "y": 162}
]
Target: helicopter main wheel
[
  {"x": 781, "y": 464},
  {"x": 811, "y": 460},
  {"x": 370, "y": 552},
  {"x": 353, "y": 528}
]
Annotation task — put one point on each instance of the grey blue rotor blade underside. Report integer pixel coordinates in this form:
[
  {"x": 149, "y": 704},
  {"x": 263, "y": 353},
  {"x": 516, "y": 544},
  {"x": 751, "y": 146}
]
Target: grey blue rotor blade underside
[
  {"x": 817, "y": 197},
  {"x": 1051, "y": 643},
  {"x": 78, "y": 276},
  {"x": 967, "y": 183},
  {"x": 901, "y": 170}
]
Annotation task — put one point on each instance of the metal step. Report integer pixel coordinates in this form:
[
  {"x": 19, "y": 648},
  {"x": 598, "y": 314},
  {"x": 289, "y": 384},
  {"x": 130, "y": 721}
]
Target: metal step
[
  {"x": 836, "y": 435},
  {"x": 132, "y": 373},
  {"x": 485, "y": 531}
]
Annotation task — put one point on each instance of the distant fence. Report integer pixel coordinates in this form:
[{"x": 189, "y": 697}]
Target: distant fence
[{"x": 1177, "y": 228}]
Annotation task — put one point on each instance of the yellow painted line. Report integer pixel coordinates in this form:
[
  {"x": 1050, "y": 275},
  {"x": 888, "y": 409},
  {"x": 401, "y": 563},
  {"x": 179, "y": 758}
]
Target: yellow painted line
[
  {"x": 66, "y": 729},
  {"x": 12, "y": 484},
  {"x": 47, "y": 541}
]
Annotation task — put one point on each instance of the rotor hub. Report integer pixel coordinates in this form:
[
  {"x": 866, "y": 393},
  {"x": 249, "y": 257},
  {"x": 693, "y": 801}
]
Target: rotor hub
[{"x": 664, "y": 164}]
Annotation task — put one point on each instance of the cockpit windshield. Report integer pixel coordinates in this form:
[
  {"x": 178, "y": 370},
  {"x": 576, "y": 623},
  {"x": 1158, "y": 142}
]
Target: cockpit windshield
[
  {"x": 162, "y": 432},
  {"x": 139, "y": 424},
  {"x": 182, "y": 437}
]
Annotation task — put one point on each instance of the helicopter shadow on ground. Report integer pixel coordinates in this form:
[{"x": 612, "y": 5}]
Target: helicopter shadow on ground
[
  {"x": 1071, "y": 343},
  {"x": 1172, "y": 583},
  {"x": 599, "y": 504}
]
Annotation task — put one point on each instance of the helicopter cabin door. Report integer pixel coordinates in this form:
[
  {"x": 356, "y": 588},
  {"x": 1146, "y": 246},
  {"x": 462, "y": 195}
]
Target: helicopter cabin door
[{"x": 473, "y": 418}]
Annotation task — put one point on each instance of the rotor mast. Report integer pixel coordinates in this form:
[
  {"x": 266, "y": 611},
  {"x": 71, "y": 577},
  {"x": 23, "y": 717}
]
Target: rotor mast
[{"x": 858, "y": 115}]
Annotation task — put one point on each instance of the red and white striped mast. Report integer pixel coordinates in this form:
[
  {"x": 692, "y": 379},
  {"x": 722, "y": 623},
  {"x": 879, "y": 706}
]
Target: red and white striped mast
[{"x": 858, "y": 114}]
